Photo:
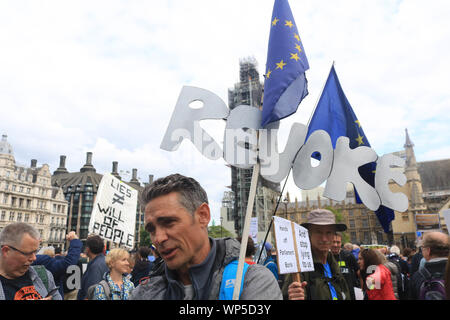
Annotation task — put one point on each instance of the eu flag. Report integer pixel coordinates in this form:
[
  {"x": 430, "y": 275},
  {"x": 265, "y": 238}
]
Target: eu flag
[
  {"x": 335, "y": 115},
  {"x": 285, "y": 83}
]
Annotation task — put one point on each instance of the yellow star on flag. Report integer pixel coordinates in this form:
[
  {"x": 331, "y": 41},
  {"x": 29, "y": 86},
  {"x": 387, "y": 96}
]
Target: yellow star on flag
[
  {"x": 280, "y": 64},
  {"x": 360, "y": 140},
  {"x": 298, "y": 47},
  {"x": 359, "y": 124},
  {"x": 288, "y": 23},
  {"x": 268, "y": 73},
  {"x": 274, "y": 22},
  {"x": 296, "y": 36},
  {"x": 295, "y": 56}
]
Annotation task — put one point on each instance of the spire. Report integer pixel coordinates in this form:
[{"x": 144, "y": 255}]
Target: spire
[
  {"x": 408, "y": 143},
  {"x": 410, "y": 156}
]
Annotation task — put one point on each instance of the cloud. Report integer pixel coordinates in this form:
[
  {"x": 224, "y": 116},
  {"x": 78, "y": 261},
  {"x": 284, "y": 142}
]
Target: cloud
[{"x": 104, "y": 76}]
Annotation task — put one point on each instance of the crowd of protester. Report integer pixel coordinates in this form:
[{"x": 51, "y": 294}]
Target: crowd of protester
[{"x": 185, "y": 263}]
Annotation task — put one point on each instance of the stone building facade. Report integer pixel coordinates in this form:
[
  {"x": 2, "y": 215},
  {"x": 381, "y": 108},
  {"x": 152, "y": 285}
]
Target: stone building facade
[{"x": 27, "y": 195}]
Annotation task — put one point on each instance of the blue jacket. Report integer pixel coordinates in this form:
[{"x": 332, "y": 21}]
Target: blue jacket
[
  {"x": 95, "y": 271},
  {"x": 58, "y": 266},
  {"x": 271, "y": 264}
]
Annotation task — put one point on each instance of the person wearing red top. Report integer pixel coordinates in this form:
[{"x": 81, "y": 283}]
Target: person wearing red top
[{"x": 375, "y": 277}]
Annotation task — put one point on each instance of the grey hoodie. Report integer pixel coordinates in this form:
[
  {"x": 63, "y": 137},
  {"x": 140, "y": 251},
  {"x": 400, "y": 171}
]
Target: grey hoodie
[{"x": 206, "y": 277}]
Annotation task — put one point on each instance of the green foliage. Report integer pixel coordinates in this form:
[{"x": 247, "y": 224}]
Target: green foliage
[
  {"x": 340, "y": 219},
  {"x": 218, "y": 232},
  {"x": 145, "y": 238}
]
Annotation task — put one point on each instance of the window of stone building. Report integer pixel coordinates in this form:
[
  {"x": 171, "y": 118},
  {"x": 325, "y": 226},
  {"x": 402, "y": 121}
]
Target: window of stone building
[
  {"x": 366, "y": 237},
  {"x": 13, "y": 201},
  {"x": 41, "y": 219},
  {"x": 11, "y": 216},
  {"x": 20, "y": 189},
  {"x": 7, "y": 186},
  {"x": 21, "y": 202},
  {"x": 27, "y": 217},
  {"x": 350, "y": 213},
  {"x": 3, "y": 215},
  {"x": 380, "y": 237},
  {"x": 13, "y": 187},
  {"x": 353, "y": 237},
  {"x": 54, "y": 207},
  {"x": 351, "y": 223},
  {"x": 19, "y": 216},
  {"x": 28, "y": 203},
  {"x": 5, "y": 198},
  {"x": 365, "y": 223}
]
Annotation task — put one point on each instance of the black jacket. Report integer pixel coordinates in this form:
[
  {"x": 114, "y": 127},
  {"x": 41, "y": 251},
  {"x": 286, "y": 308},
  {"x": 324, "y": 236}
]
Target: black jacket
[
  {"x": 141, "y": 270},
  {"x": 348, "y": 267}
]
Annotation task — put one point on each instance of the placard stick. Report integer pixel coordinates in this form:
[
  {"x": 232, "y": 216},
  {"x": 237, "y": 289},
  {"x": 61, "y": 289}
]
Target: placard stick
[
  {"x": 245, "y": 232},
  {"x": 296, "y": 276}
]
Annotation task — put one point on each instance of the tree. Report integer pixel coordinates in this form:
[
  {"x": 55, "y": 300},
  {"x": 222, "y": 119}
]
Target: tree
[
  {"x": 339, "y": 219},
  {"x": 145, "y": 238},
  {"x": 218, "y": 232}
]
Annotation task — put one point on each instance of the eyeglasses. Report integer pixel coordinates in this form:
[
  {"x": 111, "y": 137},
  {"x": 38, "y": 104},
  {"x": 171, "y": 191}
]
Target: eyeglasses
[{"x": 26, "y": 254}]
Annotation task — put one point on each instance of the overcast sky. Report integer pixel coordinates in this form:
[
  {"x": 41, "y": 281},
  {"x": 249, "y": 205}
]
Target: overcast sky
[{"x": 104, "y": 76}]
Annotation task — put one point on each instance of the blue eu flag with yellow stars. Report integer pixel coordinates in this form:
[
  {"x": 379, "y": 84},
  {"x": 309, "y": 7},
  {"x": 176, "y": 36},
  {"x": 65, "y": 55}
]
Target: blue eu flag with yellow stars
[
  {"x": 285, "y": 83},
  {"x": 335, "y": 115}
]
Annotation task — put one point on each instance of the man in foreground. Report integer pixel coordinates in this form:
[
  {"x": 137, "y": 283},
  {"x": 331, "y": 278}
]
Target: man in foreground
[{"x": 177, "y": 215}]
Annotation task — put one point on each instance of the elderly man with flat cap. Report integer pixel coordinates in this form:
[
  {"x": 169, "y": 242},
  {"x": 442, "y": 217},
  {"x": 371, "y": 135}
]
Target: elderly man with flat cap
[{"x": 326, "y": 281}]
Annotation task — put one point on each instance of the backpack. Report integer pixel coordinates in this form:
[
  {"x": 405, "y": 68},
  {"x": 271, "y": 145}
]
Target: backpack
[
  {"x": 229, "y": 280},
  {"x": 402, "y": 280},
  {"x": 433, "y": 287},
  {"x": 42, "y": 274},
  {"x": 91, "y": 290}
]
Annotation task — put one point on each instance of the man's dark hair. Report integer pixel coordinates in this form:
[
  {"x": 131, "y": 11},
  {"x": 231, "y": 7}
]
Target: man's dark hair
[
  {"x": 58, "y": 250},
  {"x": 95, "y": 244},
  {"x": 339, "y": 234},
  {"x": 438, "y": 248},
  {"x": 191, "y": 193},
  {"x": 144, "y": 252},
  {"x": 250, "y": 251}
]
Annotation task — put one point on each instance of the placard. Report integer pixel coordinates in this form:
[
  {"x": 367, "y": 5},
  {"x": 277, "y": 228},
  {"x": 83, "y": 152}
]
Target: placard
[
  {"x": 446, "y": 214},
  {"x": 293, "y": 247},
  {"x": 253, "y": 232},
  {"x": 287, "y": 262},
  {"x": 113, "y": 216},
  {"x": 427, "y": 222},
  {"x": 304, "y": 248}
]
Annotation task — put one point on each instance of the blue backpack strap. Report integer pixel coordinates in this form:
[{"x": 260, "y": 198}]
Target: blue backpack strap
[{"x": 229, "y": 279}]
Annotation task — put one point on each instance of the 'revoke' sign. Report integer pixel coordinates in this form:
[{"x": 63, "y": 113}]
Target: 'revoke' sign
[{"x": 245, "y": 143}]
